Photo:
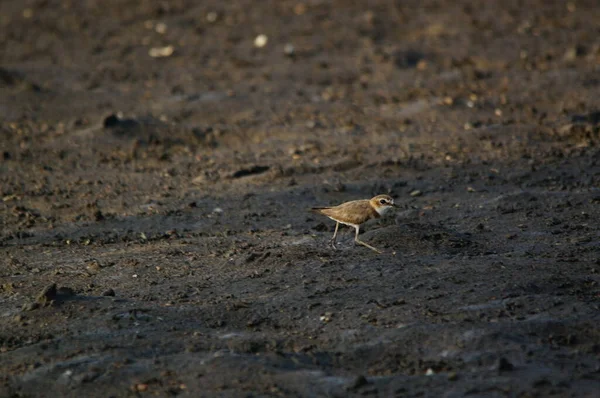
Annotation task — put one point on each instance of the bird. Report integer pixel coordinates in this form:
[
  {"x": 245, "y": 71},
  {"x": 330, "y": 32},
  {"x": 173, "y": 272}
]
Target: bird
[{"x": 355, "y": 213}]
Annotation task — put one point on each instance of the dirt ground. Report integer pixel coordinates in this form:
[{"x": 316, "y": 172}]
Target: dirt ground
[{"x": 158, "y": 160}]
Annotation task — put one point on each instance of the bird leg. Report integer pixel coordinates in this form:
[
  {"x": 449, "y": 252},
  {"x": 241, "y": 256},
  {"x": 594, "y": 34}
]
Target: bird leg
[
  {"x": 360, "y": 242},
  {"x": 332, "y": 241}
]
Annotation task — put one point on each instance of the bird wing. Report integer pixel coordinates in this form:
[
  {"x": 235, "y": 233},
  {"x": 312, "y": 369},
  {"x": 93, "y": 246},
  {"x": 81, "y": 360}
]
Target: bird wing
[{"x": 355, "y": 212}]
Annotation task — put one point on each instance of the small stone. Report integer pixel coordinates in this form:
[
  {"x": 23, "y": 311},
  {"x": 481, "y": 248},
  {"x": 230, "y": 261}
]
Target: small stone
[
  {"x": 254, "y": 321},
  {"x": 260, "y": 41},
  {"x": 141, "y": 387},
  {"x": 415, "y": 193},
  {"x": 161, "y": 52},
  {"x": 289, "y": 49},
  {"x": 93, "y": 267},
  {"x": 212, "y": 17},
  {"x": 429, "y": 372},
  {"x": 161, "y": 28},
  {"x": 452, "y": 376},
  {"x": 326, "y": 317}
]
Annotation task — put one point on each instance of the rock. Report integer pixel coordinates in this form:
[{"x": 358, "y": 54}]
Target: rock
[
  {"x": 249, "y": 171},
  {"x": 504, "y": 365},
  {"x": 591, "y": 118},
  {"x": 93, "y": 266},
  {"x": 212, "y": 16},
  {"x": 161, "y": 52},
  {"x": 407, "y": 215},
  {"x": 357, "y": 382},
  {"x": 98, "y": 216},
  {"x": 114, "y": 121},
  {"x": 251, "y": 257},
  {"x": 255, "y": 320},
  {"x": 408, "y": 59},
  {"x": 415, "y": 193},
  {"x": 109, "y": 292},
  {"x": 260, "y": 41},
  {"x": 289, "y": 50},
  {"x": 10, "y": 77}
]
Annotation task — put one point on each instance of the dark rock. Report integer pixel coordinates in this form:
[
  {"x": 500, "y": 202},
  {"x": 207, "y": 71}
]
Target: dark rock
[
  {"x": 504, "y": 365},
  {"x": 108, "y": 292},
  {"x": 592, "y": 118},
  {"x": 119, "y": 125},
  {"x": 357, "y": 383},
  {"x": 252, "y": 256},
  {"x": 249, "y": 171},
  {"x": 10, "y": 77},
  {"x": 408, "y": 59},
  {"x": 255, "y": 320},
  {"x": 99, "y": 216}
]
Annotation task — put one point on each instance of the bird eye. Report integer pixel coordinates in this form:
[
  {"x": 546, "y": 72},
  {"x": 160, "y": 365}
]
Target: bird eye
[{"x": 382, "y": 201}]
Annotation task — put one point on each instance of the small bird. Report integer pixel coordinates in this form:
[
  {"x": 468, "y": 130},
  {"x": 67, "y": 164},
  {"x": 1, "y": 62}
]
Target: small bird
[{"x": 357, "y": 212}]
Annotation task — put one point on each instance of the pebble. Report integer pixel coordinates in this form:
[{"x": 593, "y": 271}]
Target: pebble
[
  {"x": 109, "y": 292},
  {"x": 161, "y": 28},
  {"x": 289, "y": 49},
  {"x": 260, "y": 41},
  {"x": 326, "y": 317},
  {"x": 416, "y": 193},
  {"x": 161, "y": 52},
  {"x": 212, "y": 17}
]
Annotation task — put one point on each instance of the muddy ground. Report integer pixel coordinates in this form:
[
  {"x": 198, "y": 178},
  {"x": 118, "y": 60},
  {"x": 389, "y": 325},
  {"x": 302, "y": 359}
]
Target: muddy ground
[{"x": 166, "y": 197}]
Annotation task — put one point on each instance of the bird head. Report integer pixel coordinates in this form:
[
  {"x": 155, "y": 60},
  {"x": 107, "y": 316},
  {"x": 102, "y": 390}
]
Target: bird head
[{"x": 382, "y": 203}]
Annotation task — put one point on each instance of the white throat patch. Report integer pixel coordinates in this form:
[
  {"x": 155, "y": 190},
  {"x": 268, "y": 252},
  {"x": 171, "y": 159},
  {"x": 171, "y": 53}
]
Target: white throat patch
[{"x": 383, "y": 209}]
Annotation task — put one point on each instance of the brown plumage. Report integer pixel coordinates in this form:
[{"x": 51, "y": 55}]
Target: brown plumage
[
  {"x": 352, "y": 213},
  {"x": 355, "y": 213}
]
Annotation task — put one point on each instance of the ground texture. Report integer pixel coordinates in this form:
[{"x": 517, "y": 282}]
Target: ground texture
[{"x": 157, "y": 164}]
